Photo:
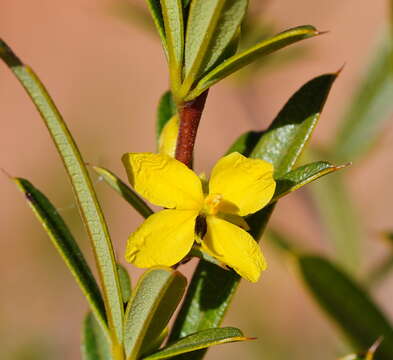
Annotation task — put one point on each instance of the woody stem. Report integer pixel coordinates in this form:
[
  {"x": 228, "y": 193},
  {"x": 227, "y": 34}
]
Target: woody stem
[{"x": 190, "y": 114}]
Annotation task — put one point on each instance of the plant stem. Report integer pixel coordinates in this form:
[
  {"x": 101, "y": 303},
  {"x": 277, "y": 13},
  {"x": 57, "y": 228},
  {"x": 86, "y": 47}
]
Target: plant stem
[{"x": 190, "y": 114}]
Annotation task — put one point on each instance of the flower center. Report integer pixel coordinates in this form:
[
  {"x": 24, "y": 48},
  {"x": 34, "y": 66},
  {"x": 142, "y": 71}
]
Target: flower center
[{"x": 212, "y": 204}]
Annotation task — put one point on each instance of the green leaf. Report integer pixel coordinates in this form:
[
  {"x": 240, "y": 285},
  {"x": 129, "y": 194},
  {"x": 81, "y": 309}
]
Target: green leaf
[
  {"x": 125, "y": 283},
  {"x": 211, "y": 27},
  {"x": 66, "y": 245},
  {"x": 156, "y": 13},
  {"x": 370, "y": 109},
  {"x": 243, "y": 58},
  {"x": 124, "y": 191},
  {"x": 212, "y": 288},
  {"x": 83, "y": 189},
  {"x": 301, "y": 176},
  {"x": 284, "y": 140},
  {"x": 154, "y": 300},
  {"x": 166, "y": 110},
  {"x": 172, "y": 11},
  {"x": 95, "y": 345},
  {"x": 200, "y": 340},
  {"x": 245, "y": 143},
  {"x": 348, "y": 305}
]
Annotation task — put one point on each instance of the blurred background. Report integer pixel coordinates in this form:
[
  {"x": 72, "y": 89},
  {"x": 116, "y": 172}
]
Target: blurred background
[{"x": 105, "y": 69}]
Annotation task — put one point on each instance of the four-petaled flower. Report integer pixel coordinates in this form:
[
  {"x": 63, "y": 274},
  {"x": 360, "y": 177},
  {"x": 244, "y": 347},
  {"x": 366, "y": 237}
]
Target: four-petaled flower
[{"x": 238, "y": 186}]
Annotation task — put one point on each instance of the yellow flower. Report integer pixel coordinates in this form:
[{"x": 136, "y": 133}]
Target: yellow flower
[{"x": 238, "y": 186}]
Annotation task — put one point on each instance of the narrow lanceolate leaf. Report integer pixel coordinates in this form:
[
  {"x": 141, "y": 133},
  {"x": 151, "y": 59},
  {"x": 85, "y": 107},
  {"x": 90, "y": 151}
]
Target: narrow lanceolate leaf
[
  {"x": 172, "y": 11},
  {"x": 156, "y": 13},
  {"x": 95, "y": 345},
  {"x": 288, "y": 134},
  {"x": 210, "y": 28},
  {"x": 370, "y": 109},
  {"x": 125, "y": 283},
  {"x": 166, "y": 110},
  {"x": 301, "y": 176},
  {"x": 66, "y": 245},
  {"x": 284, "y": 140},
  {"x": 124, "y": 191},
  {"x": 243, "y": 58},
  {"x": 83, "y": 189},
  {"x": 348, "y": 305},
  {"x": 153, "y": 302},
  {"x": 200, "y": 340}
]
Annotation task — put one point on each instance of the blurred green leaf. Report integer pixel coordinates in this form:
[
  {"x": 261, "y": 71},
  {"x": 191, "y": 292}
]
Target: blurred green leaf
[
  {"x": 124, "y": 191},
  {"x": 348, "y": 305},
  {"x": 371, "y": 107},
  {"x": 301, "y": 176},
  {"x": 380, "y": 272},
  {"x": 95, "y": 345},
  {"x": 125, "y": 283},
  {"x": 200, "y": 340},
  {"x": 384, "y": 266},
  {"x": 166, "y": 110},
  {"x": 172, "y": 12},
  {"x": 212, "y": 288},
  {"x": 153, "y": 302},
  {"x": 242, "y": 59},
  {"x": 83, "y": 189},
  {"x": 211, "y": 27},
  {"x": 340, "y": 220},
  {"x": 66, "y": 245}
]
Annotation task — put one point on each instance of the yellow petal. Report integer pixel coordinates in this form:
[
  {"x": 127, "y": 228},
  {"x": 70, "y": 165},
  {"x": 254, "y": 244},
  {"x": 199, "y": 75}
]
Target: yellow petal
[
  {"x": 235, "y": 247},
  {"x": 165, "y": 238},
  {"x": 247, "y": 184},
  {"x": 168, "y": 137},
  {"x": 164, "y": 181}
]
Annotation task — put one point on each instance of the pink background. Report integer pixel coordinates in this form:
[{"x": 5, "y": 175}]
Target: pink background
[{"x": 106, "y": 76}]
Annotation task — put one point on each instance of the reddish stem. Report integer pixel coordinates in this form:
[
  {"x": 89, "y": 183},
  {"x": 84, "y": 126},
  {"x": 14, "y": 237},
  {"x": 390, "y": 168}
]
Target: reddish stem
[{"x": 190, "y": 114}]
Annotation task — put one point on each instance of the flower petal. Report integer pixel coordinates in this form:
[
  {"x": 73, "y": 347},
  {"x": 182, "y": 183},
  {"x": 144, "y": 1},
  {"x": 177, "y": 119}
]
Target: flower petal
[
  {"x": 246, "y": 183},
  {"x": 164, "y": 181},
  {"x": 235, "y": 247},
  {"x": 165, "y": 238}
]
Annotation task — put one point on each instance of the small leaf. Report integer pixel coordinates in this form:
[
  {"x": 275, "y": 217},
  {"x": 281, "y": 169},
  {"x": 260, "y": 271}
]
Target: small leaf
[
  {"x": 242, "y": 59},
  {"x": 199, "y": 340},
  {"x": 210, "y": 29},
  {"x": 95, "y": 345},
  {"x": 124, "y": 191},
  {"x": 370, "y": 109},
  {"x": 156, "y": 13},
  {"x": 172, "y": 11},
  {"x": 125, "y": 283},
  {"x": 166, "y": 110},
  {"x": 66, "y": 245},
  {"x": 92, "y": 215},
  {"x": 301, "y": 176},
  {"x": 154, "y": 300},
  {"x": 348, "y": 305}
]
